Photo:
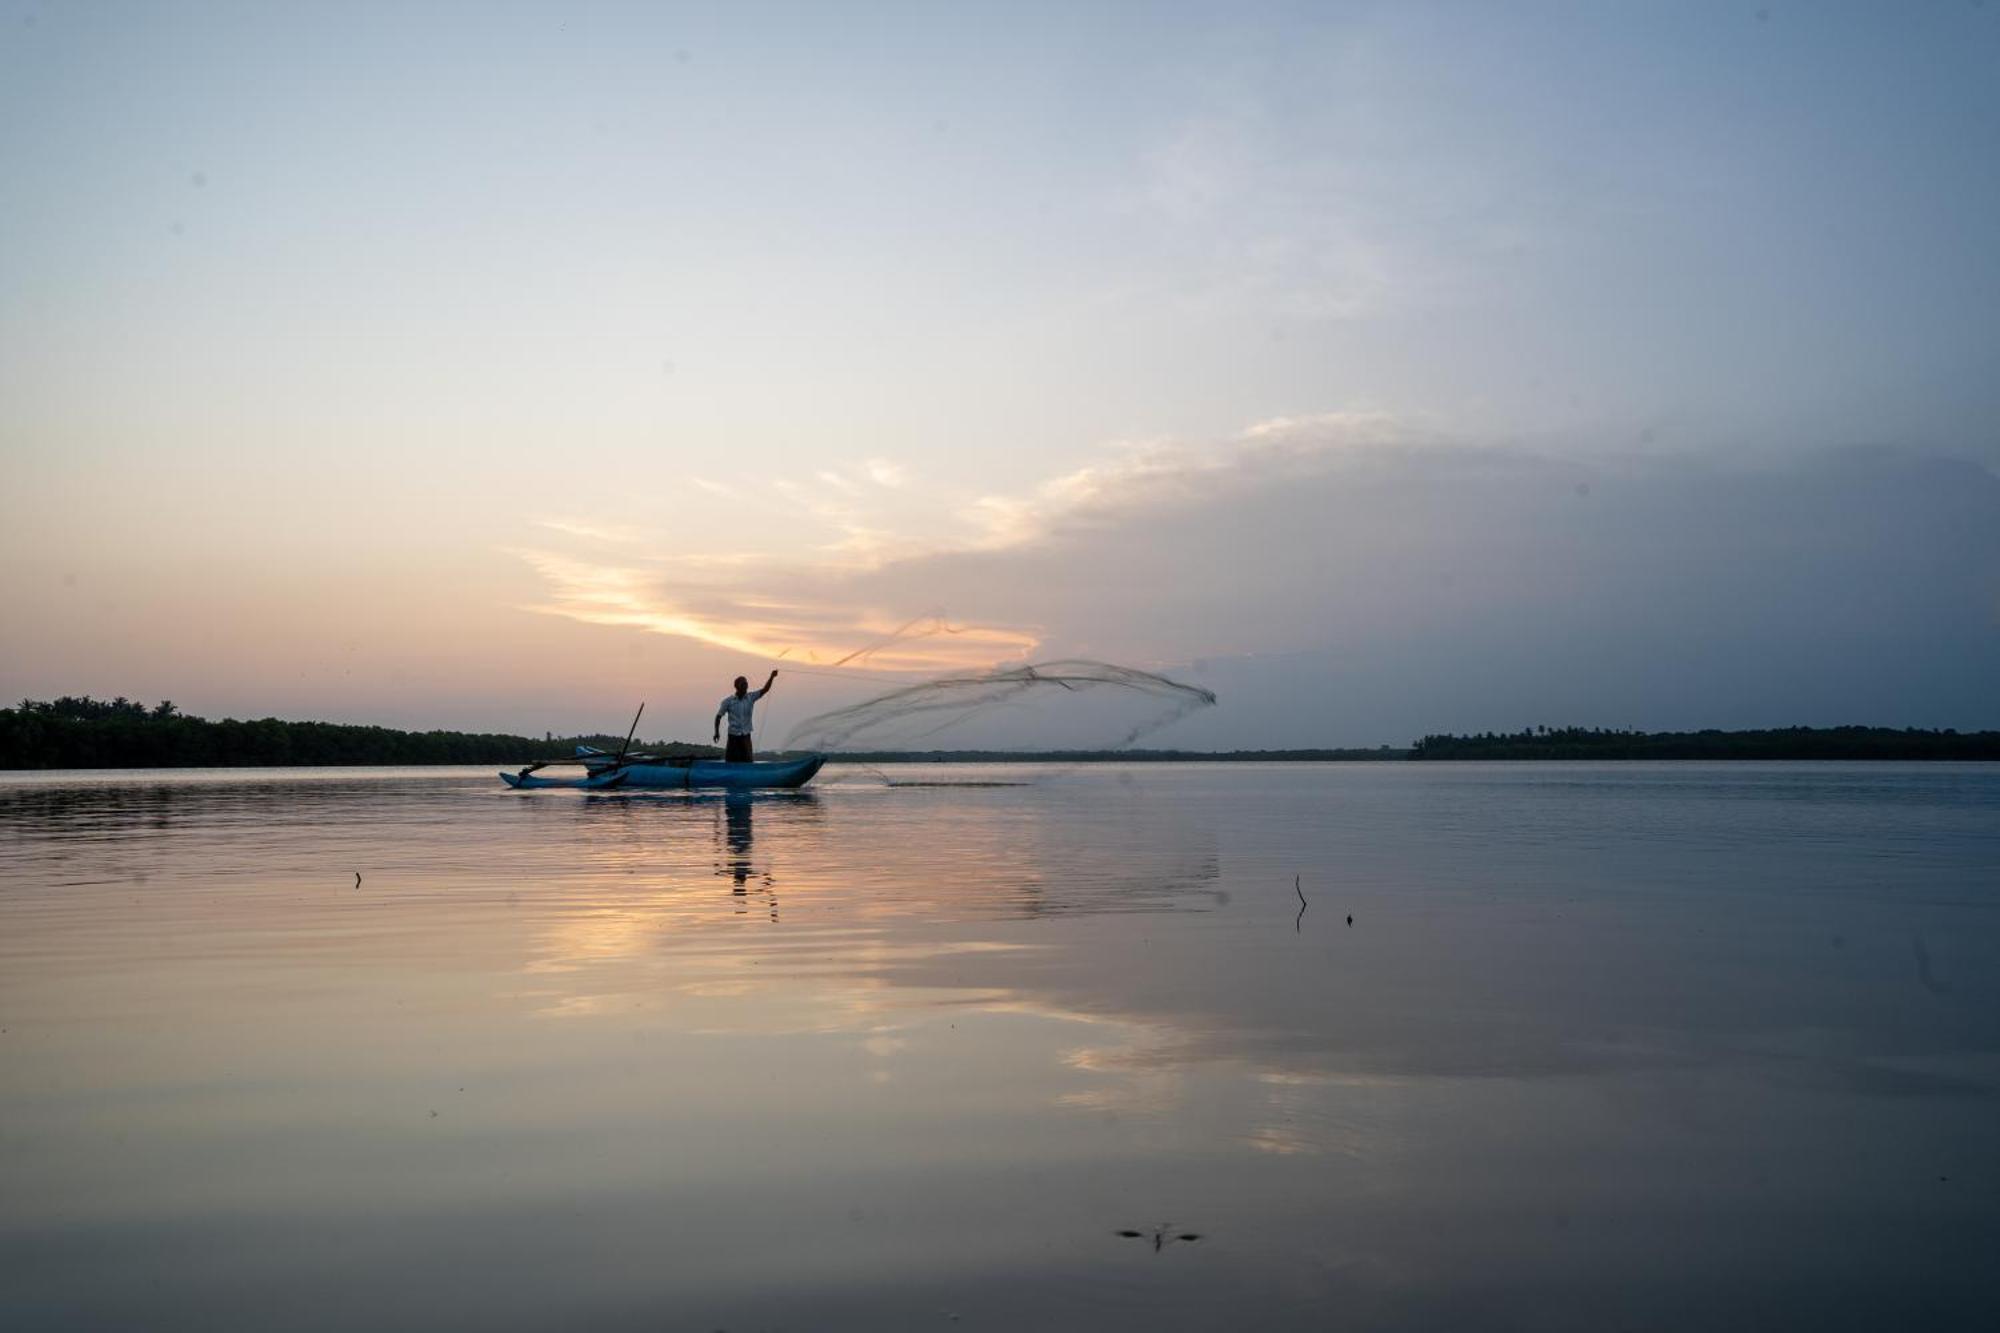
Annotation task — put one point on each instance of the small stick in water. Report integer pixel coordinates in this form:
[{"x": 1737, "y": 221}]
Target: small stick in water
[{"x": 1160, "y": 1235}]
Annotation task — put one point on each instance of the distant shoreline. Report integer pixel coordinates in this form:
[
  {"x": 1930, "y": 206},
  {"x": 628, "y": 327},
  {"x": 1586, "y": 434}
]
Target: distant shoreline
[
  {"x": 83, "y": 733},
  {"x": 1786, "y": 743}
]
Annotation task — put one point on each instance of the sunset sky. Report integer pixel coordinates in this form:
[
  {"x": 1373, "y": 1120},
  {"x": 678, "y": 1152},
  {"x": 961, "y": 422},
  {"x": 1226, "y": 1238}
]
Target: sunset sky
[{"x": 1387, "y": 368}]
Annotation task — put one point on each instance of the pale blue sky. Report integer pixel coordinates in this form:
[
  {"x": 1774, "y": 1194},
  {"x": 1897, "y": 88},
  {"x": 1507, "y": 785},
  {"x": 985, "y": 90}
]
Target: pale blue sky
[{"x": 341, "y": 321}]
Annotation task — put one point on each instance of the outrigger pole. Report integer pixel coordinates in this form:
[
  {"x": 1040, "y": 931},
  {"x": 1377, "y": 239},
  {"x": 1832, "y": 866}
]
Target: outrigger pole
[
  {"x": 616, "y": 764},
  {"x": 620, "y": 761}
]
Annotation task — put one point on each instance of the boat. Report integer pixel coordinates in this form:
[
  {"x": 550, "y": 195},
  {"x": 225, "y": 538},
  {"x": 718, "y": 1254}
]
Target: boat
[{"x": 605, "y": 772}]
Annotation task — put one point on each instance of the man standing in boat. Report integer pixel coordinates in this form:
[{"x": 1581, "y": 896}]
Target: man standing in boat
[{"x": 737, "y": 708}]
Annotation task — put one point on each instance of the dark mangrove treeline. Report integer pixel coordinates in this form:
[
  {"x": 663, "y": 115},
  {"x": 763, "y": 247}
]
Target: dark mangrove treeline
[
  {"x": 1114, "y": 756},
  {"x": 119, "y": 733},
  {"x": 93, "y": 733},
  {"x": 1782, "y": 743}
]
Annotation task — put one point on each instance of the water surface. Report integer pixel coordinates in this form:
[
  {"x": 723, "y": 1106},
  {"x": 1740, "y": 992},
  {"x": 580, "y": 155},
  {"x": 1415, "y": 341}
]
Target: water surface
[{"x": 1604, "y": 1046}]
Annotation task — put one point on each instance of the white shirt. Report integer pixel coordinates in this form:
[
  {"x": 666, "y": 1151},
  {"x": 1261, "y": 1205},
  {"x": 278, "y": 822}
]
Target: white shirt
[{"x": 738, "y": 710}]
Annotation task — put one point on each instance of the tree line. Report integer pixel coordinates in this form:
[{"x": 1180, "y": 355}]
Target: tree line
[
  {"x": 1774, "y": 743},
  {"x": 81, "y": 732},
  {"x": 1119, "y": 756}
]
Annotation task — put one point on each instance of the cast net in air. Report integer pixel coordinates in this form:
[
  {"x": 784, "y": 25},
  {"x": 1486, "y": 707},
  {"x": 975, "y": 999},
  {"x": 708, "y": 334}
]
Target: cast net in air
[{"x": 903, "y": 717}]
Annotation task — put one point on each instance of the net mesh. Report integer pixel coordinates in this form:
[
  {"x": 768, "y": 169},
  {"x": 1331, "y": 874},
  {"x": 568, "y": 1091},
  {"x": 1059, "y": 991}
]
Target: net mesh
[{"x": 917, "y": 712}]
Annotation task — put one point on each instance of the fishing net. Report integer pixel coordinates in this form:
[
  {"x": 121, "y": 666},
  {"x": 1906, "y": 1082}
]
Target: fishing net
[{"x": 916, "y": 712}]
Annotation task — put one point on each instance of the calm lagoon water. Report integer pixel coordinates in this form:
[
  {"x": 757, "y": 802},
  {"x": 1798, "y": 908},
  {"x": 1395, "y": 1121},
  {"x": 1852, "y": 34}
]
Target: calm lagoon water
[{"x": 1619, "y": 1046}]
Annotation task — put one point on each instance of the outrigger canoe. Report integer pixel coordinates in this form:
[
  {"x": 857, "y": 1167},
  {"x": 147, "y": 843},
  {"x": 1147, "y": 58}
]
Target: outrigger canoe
[{"x": 658, "y": 775}]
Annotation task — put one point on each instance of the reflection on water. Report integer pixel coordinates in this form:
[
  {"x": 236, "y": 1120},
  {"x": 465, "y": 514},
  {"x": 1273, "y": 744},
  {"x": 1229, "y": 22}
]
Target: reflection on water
[{"x": 1604, "y": 1046}]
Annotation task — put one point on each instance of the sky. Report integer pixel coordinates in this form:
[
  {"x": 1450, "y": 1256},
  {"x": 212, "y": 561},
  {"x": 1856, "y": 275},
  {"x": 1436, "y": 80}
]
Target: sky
[{"x": 1386, "y": 368}]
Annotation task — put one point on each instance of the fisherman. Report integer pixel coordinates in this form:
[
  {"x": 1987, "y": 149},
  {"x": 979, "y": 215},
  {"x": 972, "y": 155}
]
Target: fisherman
[{"x": 737, "y": 709}]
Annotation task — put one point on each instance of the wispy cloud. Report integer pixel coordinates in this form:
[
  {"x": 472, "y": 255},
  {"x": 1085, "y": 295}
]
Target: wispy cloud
[
  {"x": 832, "y": 591},
  {"x": 1163, "y": 475},
  {"x": 775, "y": 611},
  {"x": 884, "y": 473},
  {"x": 590, "y": 530}
]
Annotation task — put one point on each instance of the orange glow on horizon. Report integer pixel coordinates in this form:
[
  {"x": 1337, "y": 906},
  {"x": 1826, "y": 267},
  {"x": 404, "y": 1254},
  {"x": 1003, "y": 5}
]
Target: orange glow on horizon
[{"x": 769, "y": 627}]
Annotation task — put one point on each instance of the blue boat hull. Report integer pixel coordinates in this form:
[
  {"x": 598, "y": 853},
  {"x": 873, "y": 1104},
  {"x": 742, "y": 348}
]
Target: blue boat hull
[{"x": 705, "y": 773}]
